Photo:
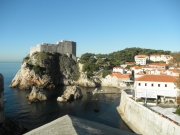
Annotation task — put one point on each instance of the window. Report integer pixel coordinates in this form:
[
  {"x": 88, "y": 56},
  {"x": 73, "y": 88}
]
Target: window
[
  {"x": 165, "y": 85},
  {"x": 152, "y": 84},
  {"x": 158, "y": 85},
  {"x": 145, "y": 84},
  {"x": 139, "y": 84}
]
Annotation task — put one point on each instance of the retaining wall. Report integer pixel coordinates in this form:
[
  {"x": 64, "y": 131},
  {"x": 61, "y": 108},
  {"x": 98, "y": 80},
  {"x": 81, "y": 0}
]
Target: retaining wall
[
  {"x": 1, "y": 98},
  {"x": 145, "y": 120}
]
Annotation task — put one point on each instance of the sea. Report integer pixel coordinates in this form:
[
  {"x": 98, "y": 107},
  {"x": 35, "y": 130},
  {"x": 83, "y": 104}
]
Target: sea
[{"x": 34, "y": 115}]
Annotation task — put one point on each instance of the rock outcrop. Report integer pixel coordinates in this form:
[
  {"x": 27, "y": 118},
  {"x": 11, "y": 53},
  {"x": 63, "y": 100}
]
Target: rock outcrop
[
  {"x": 85, "y": 81},
  {"x": 71, "y": 93},
  {"x": 36, "y": 95},
  {"x": 10, "y": 126},
  {"x": 46, "y": 70}
]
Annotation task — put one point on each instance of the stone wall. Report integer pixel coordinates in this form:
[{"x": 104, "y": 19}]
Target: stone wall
[
  {"x": 63, "y": 47},
  {"x": 145, "y": 120},
  {"x": 1, "y": 98}
]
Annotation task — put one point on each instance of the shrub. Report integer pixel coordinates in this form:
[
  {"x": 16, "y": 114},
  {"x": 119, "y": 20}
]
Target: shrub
[
  {"x": 105, "y": 73},
  {"x": 26, "y": 59},
  {"x": 42, "y": 55},
  {"x": 47, "y": 71},
  {"x": 76, "y": 73},
  {"x": 177, "y": 111},
  {"x": 37, "y": 69}
]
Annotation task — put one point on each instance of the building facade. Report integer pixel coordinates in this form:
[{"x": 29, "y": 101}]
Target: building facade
[
  {"x": 141, "y": 59},
  {"x": 63, "y": 47},
  {"x": 158, "y": 57},
  {"x": 152, "y": 86},
  {"x": 119, "y": 70}
]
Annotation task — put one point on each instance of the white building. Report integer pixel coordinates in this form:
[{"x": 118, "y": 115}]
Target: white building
[
  {"x": 158, "y": 57},
  {"x": 158, "y": 65},
  {"x": 173, "y": 72},
  {"x": 115, "y": 80},
  {"x": 119, "y": 70},
  {"x": 141, "y": 59},
  {"x": 151, "y": 86}
]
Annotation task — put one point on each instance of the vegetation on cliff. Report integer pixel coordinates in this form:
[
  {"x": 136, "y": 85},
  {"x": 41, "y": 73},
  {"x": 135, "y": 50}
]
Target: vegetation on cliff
[
  {"x": 105, "y": 62},
  {"x": 94, "y": 63}
]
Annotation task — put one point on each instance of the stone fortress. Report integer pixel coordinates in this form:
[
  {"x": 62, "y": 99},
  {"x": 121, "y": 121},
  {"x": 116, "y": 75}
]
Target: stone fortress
[{"x": 64, "y": 47}]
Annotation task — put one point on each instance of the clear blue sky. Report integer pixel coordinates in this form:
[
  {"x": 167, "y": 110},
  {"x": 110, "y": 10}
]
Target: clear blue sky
[{"x": 98, "y": 26}]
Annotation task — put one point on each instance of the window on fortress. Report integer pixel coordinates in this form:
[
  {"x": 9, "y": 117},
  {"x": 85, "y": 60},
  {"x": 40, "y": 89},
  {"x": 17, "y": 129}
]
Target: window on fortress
[
  {"x": 145, "y": 84},
  {"x": 139, "y": 84},
  {"x": 165, "y": 85},
  {"x": 158, "y": 85},
  {"x": 152, "y": 84}
]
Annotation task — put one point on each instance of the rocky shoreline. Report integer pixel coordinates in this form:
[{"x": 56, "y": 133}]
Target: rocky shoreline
[{"x": 10, "y": 126}]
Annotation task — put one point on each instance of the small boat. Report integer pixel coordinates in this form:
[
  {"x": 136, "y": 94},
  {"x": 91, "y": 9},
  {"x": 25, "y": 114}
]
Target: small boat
[{"x": 95, "y": 89}]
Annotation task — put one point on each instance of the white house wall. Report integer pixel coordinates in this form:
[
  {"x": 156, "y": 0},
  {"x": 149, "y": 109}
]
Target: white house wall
[{"x": 161, "y": 90}]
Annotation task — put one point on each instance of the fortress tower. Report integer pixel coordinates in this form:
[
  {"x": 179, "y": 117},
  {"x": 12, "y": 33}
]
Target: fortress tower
[
  {"x": 63, "y": 47},
  {"x": 1, "y": 99}
]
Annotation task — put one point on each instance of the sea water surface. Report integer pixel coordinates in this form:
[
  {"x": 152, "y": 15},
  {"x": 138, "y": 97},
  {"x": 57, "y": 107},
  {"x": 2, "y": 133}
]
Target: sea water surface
[{"x": 37, "y": 114}]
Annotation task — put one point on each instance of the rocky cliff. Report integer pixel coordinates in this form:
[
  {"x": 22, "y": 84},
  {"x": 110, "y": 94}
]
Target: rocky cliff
[{"x": 48, "y": 70}]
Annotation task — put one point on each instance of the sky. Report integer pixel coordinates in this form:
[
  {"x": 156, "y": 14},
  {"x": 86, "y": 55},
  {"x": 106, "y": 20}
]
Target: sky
[{"x": 97, "y": 26}]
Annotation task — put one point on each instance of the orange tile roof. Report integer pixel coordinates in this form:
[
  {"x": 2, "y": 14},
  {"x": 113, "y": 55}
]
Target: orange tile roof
[
  {"x": 130, "y": 63},
  {"x": 157, "y": 78},
  {"x": 175, "y": 70},
  {"x": 141, "y": 56},
  {"x": 119, "y": 75},
  {"x": 157, "y": 64},
  {"x": 155, "y": 55}
]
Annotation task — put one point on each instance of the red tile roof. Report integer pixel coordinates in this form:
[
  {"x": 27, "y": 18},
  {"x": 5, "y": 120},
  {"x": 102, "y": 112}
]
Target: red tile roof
[
  {"x": 155, "y": 55},
  {"x": 119, "y": 75},
  {"x": 157, "y": 78},
  {"x": 158, "y": 64},
  {"x": 141, "y": 56},
  {"x": 174, "y": 70},
  {"x": 130, "y": 63}
]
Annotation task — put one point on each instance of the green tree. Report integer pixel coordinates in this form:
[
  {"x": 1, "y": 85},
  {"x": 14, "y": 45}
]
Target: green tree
[
  {"x": 86, "y": 57},
  {"x": 106, "y": 72}
]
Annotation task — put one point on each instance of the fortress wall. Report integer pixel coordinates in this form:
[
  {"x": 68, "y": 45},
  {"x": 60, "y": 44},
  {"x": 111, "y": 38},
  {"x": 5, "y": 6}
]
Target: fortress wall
[
  {"x": 35, "y": 49},
  {"x": 143, "y": 119},
  {"x": 67, "y": 47},
  {"x": 60, "y": 47},
  {"x": 1, "y": 99},
  {"x": 74, "y": 48},
  {"x": 63, "y": 47},
  {"x": 32, "y": 50}
]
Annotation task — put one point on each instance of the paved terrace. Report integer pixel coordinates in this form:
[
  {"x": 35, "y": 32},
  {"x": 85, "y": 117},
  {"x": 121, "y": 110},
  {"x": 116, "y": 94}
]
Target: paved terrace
[{"x": 70, "y": 125}]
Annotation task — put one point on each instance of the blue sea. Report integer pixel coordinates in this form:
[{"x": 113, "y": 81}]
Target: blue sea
[{"x": 37, "y": 114}]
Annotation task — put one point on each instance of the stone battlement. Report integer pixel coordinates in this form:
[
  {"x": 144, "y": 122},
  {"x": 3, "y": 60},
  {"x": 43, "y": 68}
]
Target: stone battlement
[{"x": 63, "y": 47}]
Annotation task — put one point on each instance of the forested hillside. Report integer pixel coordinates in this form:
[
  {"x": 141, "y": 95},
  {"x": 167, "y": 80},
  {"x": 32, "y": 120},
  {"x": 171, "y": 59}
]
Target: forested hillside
[{"x": 94, "y": 62}]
